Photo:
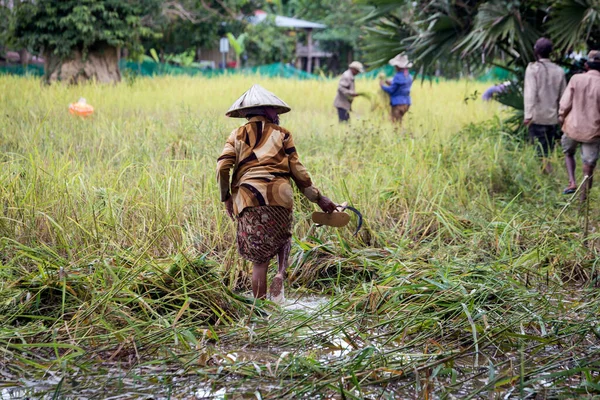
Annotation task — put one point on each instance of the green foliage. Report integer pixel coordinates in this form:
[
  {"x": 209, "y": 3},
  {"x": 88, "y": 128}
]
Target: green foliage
[
  {"x": 499, "y": 27},
  {"x": 5, "y": 21},
  {"x": 59, "y": 27},
  {"x": 464, "y": 37},
  {"x": 578, "y": 23},
  {"x": 238, "y": 44},
  {"x": 266, "y": 43},
  {"x": 341, "y": 18},
  {"x": 454, "y": 33},
  {"x": 185, "y": 59},
  {"x": 389, "y": 26},
  {"x": 200, "y": 26},
  {"x": 343, "y": 35},
  {"x": 178, "y": 35},
  {"x": 154, "y": 55}
]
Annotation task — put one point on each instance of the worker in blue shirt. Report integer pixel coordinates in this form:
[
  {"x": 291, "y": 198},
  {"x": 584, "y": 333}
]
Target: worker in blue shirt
[{"x": 399, "y": 89}]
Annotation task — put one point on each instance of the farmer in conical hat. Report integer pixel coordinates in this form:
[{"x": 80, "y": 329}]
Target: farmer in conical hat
[
  {"x": 399, "y": 89},
  {"x": 346, "y": 91},
  {"x": 263, "y": 158}
]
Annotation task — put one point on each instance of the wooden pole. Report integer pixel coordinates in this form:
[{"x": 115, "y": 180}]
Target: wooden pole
[{"x": 309, "y": 50}]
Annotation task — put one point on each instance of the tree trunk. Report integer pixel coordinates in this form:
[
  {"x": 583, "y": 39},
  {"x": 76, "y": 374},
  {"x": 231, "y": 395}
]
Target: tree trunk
[
  {"x": 24, "y": 56},
  {"x": 100, "y": 64}
]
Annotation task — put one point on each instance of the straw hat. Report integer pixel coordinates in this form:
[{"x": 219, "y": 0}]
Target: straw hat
[
  {"x": 256, "y": 96},
  {"x": 593, "y": 56},
  {"x": 400, "y": 61},
  {"x": 357, "y": 66}
]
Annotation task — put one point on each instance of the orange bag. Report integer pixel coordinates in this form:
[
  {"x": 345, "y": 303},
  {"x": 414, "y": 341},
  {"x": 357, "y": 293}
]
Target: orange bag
[{"x": 81, "y": 108}]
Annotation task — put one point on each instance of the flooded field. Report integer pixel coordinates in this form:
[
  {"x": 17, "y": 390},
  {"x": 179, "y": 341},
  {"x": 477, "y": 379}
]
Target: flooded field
[
  {"x": 473, "y": 276},
  {"x": 317, "y": 347}
]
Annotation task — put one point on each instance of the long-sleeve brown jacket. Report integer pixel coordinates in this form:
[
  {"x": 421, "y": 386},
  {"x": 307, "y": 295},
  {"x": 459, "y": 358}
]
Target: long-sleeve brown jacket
[{"x": 263, "y": 158}]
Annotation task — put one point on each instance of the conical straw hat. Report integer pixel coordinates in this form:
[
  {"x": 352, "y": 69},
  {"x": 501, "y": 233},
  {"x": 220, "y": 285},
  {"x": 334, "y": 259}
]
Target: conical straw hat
[
  {"x": 357, "y": 66},
  {"x": 401, "y": 61},
  {"x": 256, "y": 96}
]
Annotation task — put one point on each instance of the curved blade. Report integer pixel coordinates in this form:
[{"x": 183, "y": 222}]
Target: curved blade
[{"x": 360, "y": 218}]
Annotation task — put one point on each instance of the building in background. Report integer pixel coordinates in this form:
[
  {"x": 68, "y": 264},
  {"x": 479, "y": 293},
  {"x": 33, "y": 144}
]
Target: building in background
[{"x": 308, "y": 56}]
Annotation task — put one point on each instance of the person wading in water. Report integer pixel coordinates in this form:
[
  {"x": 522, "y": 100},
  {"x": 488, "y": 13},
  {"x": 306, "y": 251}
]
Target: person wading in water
[{"x": 263, "y": 158}]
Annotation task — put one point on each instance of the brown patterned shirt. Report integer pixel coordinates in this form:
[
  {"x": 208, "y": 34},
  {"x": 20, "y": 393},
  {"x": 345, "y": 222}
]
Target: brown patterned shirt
[{"x": 263, "y": 158}]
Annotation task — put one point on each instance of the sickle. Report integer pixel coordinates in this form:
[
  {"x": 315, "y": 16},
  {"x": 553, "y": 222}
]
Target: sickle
[{"x": 358, "y": 215}]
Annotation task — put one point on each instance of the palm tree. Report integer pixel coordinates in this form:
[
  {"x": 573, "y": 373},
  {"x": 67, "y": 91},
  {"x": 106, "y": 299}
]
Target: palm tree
[
  {"x": 470, "y": 31},
  {"x": 469, "y": 34}
]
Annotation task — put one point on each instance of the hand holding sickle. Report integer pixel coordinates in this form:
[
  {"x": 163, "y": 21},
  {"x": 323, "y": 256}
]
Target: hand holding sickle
[{"x": 337, "y": 217}]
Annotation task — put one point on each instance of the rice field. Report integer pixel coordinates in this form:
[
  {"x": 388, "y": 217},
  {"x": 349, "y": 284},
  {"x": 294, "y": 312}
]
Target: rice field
[{"x": 473, "y": 277}]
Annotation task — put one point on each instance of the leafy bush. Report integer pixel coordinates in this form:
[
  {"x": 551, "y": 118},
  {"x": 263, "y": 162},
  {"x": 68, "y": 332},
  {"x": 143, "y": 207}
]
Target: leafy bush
[
  {"x": 266, "y": 43},
  {"x": 59, "y": 27}
]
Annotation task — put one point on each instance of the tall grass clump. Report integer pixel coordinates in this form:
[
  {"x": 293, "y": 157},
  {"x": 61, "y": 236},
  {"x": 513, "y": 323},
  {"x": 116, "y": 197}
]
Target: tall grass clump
[{"x": 471, "y": 276}]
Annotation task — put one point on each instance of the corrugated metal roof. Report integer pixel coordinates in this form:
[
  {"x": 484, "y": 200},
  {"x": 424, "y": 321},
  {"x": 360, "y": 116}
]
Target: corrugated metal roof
[{"x": 286, "y": 22}]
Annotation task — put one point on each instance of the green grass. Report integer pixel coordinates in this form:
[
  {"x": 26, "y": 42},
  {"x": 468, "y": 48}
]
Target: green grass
[{"x": 470, "y": 277}]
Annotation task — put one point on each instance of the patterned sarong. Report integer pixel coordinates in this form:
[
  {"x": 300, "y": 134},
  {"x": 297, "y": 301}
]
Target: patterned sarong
[
  {"x": 399, "y": 111},
  {"x": 262, "y": 231}
]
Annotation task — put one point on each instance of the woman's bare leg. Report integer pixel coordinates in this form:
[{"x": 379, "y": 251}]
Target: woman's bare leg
[
  {"x": 282, "y": 257},
  {"x": 259, "y": 280}
]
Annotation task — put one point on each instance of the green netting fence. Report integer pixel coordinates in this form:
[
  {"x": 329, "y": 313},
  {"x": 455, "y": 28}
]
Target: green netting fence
[
  {"x": 281, "y": 70},
  {"x": 35, "y": 70},
  {"x": 158, "y": 69},
  {"x": 494, "y": 74}
]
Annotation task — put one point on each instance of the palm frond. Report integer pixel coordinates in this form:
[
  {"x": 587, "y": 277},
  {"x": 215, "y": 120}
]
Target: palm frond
[
  {"x": 499, "y": 28},
  {"x": 437, "y": 42},
  {"x": 390, "y": 36},
  {"x": 512, "y": 97},
  {"x": 573, "y": 22},
  {"x": 381, "y": 8}
]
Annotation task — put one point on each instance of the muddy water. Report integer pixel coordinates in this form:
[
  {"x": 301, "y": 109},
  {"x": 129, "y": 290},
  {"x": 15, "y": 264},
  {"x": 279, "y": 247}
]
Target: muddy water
[
  {"x": 120, "y": 388},
  {"x": 335, "y": 347},
  {"x": 162, "y": 382},
  {"x": 308, "y": 304}
]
